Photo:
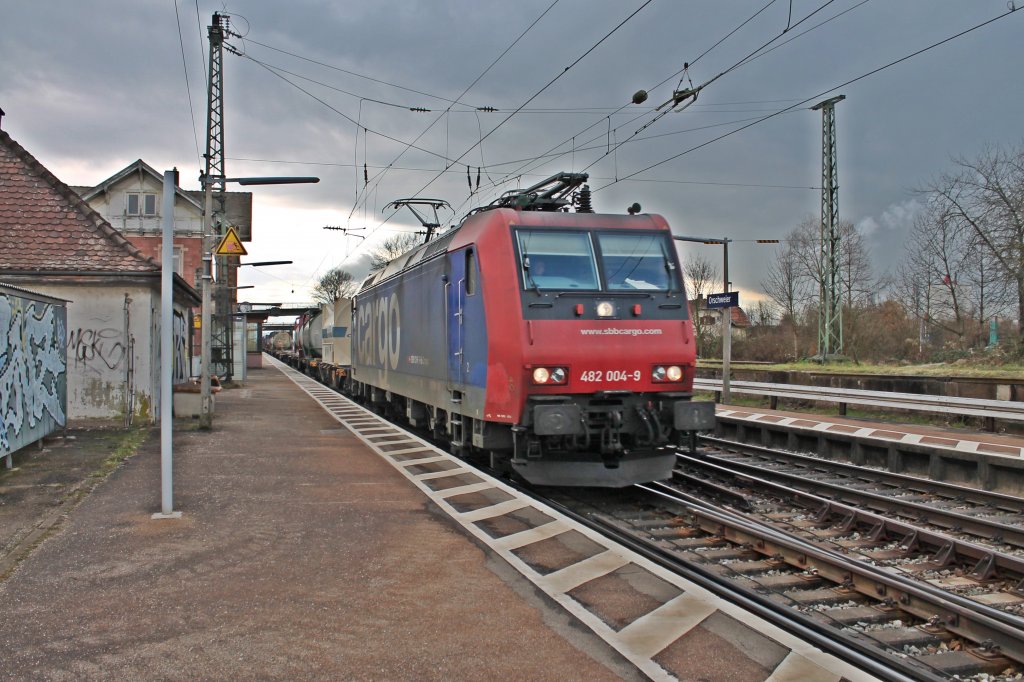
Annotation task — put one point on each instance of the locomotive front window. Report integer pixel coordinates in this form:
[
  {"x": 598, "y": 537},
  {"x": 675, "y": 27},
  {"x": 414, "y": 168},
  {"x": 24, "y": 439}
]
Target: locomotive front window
[
  {"x": 634, "y": 261},
  {"x": 557, "y": 260}
]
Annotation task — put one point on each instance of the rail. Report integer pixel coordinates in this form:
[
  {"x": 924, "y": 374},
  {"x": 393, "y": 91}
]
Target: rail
[{"x": 975, "y": 407}]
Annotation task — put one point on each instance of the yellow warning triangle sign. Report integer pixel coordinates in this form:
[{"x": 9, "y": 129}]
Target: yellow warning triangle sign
[{"x": 230, "y": 245}]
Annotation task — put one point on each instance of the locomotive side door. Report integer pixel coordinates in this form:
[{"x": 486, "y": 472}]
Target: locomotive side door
[{"x": 454, "y": 296}]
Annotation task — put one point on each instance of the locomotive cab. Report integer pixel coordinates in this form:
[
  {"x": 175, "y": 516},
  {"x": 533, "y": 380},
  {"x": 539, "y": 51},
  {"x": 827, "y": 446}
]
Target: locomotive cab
[{"x": 609, "y": 358}]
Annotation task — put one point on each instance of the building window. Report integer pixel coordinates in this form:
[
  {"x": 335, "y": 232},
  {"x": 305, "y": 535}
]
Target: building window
[
  {"x": 252, "y": 338},
  {"x": 178, "y": 259},
  {"x": 140, "y": 203}
]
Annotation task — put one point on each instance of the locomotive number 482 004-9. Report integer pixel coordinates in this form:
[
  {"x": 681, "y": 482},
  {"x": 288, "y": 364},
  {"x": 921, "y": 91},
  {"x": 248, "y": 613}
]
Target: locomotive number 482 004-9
[{"x": 610, "y": 375}]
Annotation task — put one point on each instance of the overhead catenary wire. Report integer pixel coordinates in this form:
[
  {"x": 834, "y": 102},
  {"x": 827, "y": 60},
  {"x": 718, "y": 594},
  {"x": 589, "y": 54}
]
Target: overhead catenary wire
[
  {"x": 458, "y": 171},
  {"x": 452, "y": 108},
  {"x": 339, "y": 112},
  {"x": 745, "y": 60},
  {"x": 202, "y": 41},
  {"x": 188, "y": 88},
  {"x": 359, "y": 75},
  {"x": 543, "y": 89},
  {"x": 816, "y": 96},
  {"x": 516, "y": 172},
  {"x": 470, "y": 87},
  {"x": 396, "y": 105}
]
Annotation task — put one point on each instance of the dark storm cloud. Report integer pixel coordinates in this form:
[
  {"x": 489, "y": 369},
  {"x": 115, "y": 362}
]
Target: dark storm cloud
[{"x": 89, "y": 87}]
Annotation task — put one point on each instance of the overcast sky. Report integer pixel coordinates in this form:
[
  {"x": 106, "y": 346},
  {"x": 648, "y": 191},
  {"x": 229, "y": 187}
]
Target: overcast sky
[{"x": 90, "y": 87}]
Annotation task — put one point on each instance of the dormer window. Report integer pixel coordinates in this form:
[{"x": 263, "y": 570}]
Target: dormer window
[{"x": 140, "y": 203}]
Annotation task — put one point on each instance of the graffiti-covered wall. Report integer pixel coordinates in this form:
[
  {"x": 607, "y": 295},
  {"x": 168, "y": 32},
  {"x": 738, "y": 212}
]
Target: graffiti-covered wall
[
  {"x": 33, "y": 367},
  {"x": 112, "y": 349}
]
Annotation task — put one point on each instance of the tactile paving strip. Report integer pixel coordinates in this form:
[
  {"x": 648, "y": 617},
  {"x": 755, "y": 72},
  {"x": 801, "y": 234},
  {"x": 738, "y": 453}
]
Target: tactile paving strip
[{"x": 650, "y": 611}]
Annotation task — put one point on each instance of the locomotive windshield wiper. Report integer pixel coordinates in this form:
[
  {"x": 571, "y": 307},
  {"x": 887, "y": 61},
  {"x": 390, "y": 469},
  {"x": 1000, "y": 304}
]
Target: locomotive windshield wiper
[
  {"x": 670, "y": 268},
  {"x": 529, "y": 277}
]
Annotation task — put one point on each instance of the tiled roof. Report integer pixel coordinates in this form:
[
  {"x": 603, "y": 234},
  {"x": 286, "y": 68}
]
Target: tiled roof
[
  {"x": 45, "y": 226},
  {"x": 738, "y": 315}
]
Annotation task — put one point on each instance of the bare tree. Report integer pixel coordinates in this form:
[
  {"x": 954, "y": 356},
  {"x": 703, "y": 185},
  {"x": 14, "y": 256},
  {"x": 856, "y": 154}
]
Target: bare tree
[
  {"x": 785, "y": 283},
  {"x": 763, "y": 313},
  {"x": 701, "y": 277},
  {"x": 936, "y": 247},
  {"x": 334, "y": 284},
  {"x": 857, "y": 278},
  {"x": 791, "y": 281},
  {"x": 986, "y": 197},
  {"x": 393, "y": 247}
]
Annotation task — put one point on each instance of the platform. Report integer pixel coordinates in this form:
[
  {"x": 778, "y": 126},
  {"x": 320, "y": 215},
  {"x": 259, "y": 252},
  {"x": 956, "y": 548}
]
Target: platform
[
  {"x": 979, "y": 459},
  {"x": 303, "y": 552}
]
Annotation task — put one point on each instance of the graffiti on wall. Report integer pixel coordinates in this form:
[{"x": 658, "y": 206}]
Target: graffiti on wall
[
  {"x": 33, "y": 370},
  {"x": 97, "y": 348}
]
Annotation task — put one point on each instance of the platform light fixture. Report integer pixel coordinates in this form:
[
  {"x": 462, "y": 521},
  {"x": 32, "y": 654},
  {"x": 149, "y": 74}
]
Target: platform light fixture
[{"x": 205, "y": 389}]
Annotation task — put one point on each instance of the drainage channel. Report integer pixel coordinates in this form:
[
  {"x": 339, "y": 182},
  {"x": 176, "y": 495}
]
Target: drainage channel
[{"x": 642, "y": 610}]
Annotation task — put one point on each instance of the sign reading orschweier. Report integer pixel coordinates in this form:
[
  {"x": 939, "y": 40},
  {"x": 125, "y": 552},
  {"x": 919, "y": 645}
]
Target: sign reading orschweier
[{"x": 729, "y": 299}]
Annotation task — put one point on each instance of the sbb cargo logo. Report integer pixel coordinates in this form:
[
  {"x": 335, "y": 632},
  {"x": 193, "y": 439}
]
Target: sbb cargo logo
[{"x": 380, "y": 332}]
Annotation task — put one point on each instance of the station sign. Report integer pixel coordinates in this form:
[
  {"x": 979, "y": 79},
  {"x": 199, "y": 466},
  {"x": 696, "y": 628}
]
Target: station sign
[{"x": 729, "y": 299}]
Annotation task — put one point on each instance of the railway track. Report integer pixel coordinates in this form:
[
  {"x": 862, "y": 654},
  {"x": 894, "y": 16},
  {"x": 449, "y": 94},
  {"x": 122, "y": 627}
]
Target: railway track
[
  {"x": 964, "y": 540},
  {"x": 923, "y": 572},
  {"x": 921, "y": 630}
]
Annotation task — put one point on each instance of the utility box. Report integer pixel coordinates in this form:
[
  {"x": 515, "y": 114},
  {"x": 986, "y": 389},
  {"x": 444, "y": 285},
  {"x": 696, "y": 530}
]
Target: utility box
[{"x": 33, "y": 368}]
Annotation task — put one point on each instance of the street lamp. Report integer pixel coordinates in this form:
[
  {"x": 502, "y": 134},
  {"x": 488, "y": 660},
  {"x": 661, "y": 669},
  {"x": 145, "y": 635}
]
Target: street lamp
[{"x": 205, "y": 413}]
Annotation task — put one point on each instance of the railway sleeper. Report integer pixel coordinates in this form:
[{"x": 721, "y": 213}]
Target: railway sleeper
[{"x": 964, "y": 663}]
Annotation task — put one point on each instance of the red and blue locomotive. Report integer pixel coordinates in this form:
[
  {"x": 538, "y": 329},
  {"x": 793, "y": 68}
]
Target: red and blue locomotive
[{"x": 557, "y": 343}]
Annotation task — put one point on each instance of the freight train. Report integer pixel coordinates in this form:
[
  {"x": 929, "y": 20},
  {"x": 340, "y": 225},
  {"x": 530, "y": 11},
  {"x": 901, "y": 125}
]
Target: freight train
[{"x": 556, "y": 343}]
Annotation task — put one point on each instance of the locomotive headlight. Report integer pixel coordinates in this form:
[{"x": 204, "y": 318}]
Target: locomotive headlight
[
  {"x": 547, "y": 376},
  {"x": 605, "y": 309},
  {"x": 666, "y": 373}
]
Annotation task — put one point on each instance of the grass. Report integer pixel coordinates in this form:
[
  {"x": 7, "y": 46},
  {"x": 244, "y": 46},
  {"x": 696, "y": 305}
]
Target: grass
[
  {"x": 123, "y": 444},
  {"x": 971, "y": 369}
]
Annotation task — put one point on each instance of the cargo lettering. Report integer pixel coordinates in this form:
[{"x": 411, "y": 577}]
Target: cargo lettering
[{"x": 380, "y": 332}]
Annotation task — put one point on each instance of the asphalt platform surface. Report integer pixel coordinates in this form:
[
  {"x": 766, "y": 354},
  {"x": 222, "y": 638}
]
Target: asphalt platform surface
[{"x": 300, "y": 555}]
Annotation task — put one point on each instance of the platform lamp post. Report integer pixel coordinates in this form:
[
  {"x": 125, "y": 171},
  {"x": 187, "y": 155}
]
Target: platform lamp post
[
  {"x": 727, "y": 311},
  {"x": 205, "y": 413},
  {"x": 167, "y": 350}
]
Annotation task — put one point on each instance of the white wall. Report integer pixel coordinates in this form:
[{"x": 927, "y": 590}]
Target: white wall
[{"x": 108, "y": 358}]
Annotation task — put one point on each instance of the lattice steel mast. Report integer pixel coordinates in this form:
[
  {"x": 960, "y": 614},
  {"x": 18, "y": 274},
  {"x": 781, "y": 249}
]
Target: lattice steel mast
[
  {"x": 214, "y": 183},
  {"x": 830, "y": 312}
]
